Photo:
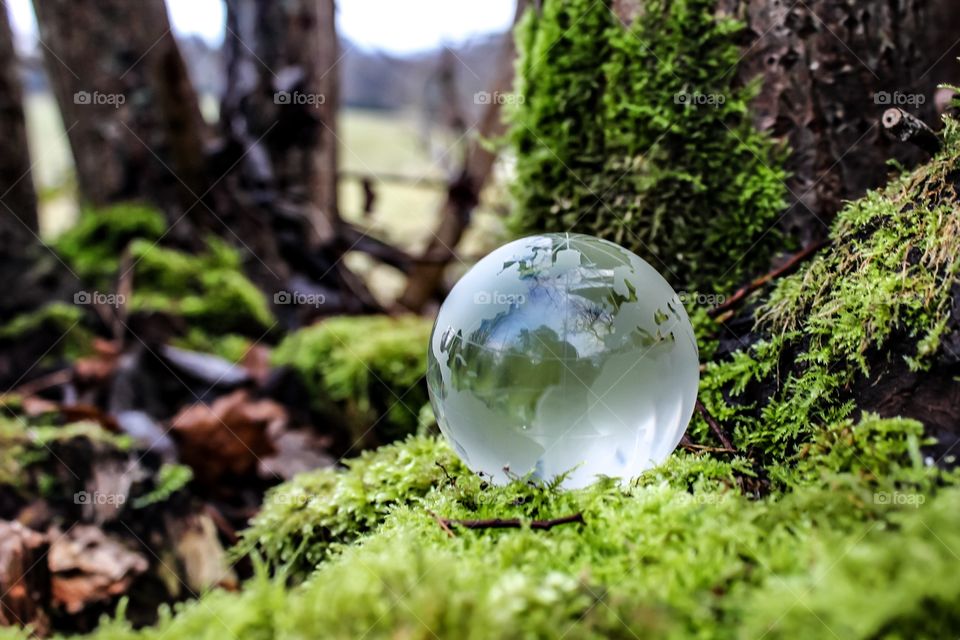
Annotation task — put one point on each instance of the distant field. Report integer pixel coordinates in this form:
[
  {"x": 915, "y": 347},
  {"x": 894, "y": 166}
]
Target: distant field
[
  {"x": 405, "y": 214},
  {"x": 52, "y": 164}
]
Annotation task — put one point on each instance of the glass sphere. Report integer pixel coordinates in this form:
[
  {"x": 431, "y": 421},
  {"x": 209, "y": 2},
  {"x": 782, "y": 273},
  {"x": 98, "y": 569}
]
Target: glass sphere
[{"x": 562, "y": 353}]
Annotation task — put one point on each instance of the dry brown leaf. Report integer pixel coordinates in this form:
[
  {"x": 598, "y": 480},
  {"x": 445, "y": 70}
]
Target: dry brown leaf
[
  {"x": 198, "y": 548},
  {"x": 99, "y": 367},
  {"x": 89, "y": 566},
  {"x": 228, "y": 437}
]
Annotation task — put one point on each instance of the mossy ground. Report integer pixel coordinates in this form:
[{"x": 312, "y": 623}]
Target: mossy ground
[
  {"x": 371, "y": 365},
  {"x": 679, "y": 553},
  {"x": 884, "y": 286}
]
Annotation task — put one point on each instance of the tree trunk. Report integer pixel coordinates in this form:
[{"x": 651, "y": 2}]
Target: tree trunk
[
  {"x": 37, "y": 274},
  {"x": 829, "y": 70},
  {"x": 278, "y": 119},
  {"x": 281, "y": 101},
  {"x": 130, "y": 111},
  {"x": 16, "y": 185}
]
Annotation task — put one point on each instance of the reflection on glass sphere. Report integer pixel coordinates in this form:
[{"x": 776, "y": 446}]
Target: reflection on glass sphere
[{"x": 562, "y": 353}]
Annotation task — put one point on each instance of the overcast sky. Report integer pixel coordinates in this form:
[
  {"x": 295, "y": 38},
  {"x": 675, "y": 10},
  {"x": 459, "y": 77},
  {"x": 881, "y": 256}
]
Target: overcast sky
[{"x": 397, "y": 26}]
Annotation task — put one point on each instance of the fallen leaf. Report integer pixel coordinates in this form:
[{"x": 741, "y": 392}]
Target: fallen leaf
[
  {"x": 99, "y": 367},
  {"x": 228, "y": 437},
  {"x": 89, "y": 566}
]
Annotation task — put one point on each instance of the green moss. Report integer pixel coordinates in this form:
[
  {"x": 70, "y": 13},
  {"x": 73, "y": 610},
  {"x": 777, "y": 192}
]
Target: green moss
[
  {"x": 170, "y": 479},
  {"x": 304, "y": 519},
  {"x": 94, "y": 246},
  {"x": 208, "y": 289},
  {"x": 884, "y": 286},
  {"x": 72, "y": 338},
  {"x": 899, "y": 581},
  {"x": 373, "y": 365},
  {"x": 610, "y": 141},
  {"x": 653, "y": 559}
]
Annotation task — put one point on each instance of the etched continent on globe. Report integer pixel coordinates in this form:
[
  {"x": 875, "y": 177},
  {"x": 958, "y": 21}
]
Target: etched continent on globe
[{"x": 562, "y": 353}]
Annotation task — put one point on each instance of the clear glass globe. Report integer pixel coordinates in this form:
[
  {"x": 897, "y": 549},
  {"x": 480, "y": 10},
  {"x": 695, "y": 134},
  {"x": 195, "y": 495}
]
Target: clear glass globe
[{"x": 562, "y": 353}]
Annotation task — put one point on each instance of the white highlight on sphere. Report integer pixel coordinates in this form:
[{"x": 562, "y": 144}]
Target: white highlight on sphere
[{"x": 563, "y": 353}]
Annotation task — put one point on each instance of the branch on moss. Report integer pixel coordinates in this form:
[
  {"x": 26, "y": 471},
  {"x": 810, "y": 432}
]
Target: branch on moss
[
  {"x": 444, "y": 524},
  {"x": 906, "y": 127},
  {"x": 715, "y": 426},
  {"x": 702, "y": 448},
  {"x": 509, "y": 523},
  {"x": 785, "y": 269}
]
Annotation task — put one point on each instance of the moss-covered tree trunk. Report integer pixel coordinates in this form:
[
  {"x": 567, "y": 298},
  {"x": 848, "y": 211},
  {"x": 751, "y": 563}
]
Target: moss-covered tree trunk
[
  {"x": 128, "y": 106},
  {"x": 828, "y": 71}
]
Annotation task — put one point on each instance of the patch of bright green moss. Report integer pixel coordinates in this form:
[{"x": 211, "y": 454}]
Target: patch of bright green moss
[
  {"x": 639, "y": 135},
  {"x": 65, "y": 321},
  {"x": 304, "y": 519},
  {"x": 887, "y": 280},
  {"x": 207, "y": 289},
  {"x": 374, "y": 365},
  {"x": 652, "y": 559},
  {"x": 93, "y": 247}
]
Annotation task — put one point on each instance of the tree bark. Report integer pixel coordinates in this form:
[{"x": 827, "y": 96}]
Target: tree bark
[
  {"x": 278, "y": 119},
  {"x": 39, "y": 277},
  {"x": 828, "y": 71},
  {"x": 19, "y": 209},
  {"x": 130, "y": 111},
  {"x": 281, "y": 101}
]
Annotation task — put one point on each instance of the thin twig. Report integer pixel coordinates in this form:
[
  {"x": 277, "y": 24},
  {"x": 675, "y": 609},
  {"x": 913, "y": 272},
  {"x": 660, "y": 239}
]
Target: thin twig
[
  {"x": 701, "y": 448},
  {"x": 444, "y": 524},
  {"x": 511, "y": 523},
  {"x": 715, "y": 426},
  {"x": 787, "y": 267},
  {"x": 687, "y": 443}
]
